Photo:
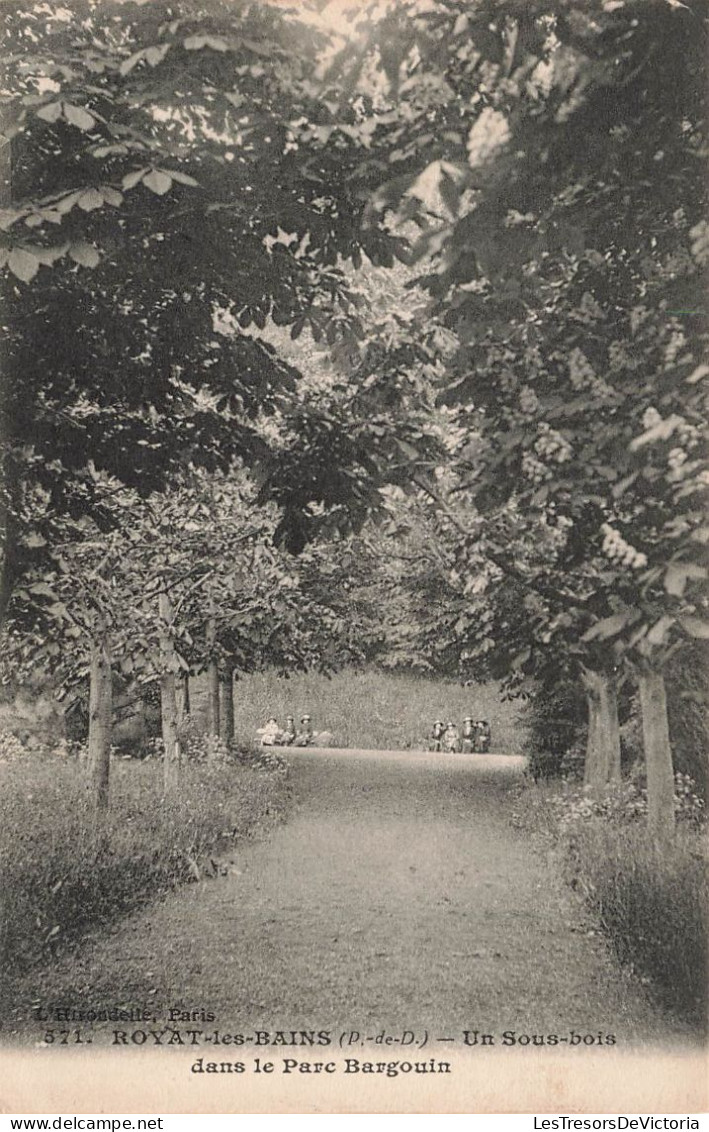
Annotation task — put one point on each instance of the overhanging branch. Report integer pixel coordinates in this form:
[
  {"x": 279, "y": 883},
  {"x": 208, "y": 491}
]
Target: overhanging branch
[{"x": 549, "y": 593}]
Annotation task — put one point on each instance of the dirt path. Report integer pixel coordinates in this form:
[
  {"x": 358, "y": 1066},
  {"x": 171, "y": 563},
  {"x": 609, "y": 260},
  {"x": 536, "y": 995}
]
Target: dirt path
[{"x": 397, "y": 895}]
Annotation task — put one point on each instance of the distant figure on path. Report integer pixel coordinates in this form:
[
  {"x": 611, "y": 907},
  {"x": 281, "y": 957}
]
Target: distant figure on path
[
  {"x": 304, "y": 738},
  {"x": 451, "y": 739},
  {"x": 469, "y": 735},
  {"x": 484, "y": 736},
  {"x": 436, "y": 735},
  {"x": 288, "y": 734},
  {"x": 270, "y": 733}
]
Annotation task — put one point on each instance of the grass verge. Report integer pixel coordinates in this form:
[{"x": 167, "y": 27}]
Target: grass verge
[
  {"x": 64, "y": 870},
  {"x": 651, "y": 902}
]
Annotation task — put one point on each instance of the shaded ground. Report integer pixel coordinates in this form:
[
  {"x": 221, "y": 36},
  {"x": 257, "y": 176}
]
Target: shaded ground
[{"x": 396, "y": 896}]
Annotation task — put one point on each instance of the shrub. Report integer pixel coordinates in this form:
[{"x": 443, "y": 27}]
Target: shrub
[
  {"x": 63, "y": 868},
  {"x": 197, "y": 744},
  {"x": 624, "y": 802},
  {"x": 12, "y": 747},
  {"x": 200, "y": 746},
  {"x": 556, "y": 718}
]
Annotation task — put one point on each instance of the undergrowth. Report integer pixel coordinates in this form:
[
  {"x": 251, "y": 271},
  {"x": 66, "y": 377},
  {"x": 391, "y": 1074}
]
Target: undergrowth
[
  {"x": 650, "y": 901},
  {"x": 65, "y": 868}
]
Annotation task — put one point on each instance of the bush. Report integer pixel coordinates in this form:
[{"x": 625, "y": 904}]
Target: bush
[
  {"x": 63, "y": 868},
  {"x": 556, "y": 718},
  {"x": 624, "y": 802},
  {"x": 199, "y": 746},
  {"x": 650, "y": 903}
]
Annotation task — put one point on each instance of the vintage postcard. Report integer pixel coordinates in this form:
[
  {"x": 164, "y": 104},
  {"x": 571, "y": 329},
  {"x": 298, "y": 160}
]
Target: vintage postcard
[{"x": 353, "y": 605}]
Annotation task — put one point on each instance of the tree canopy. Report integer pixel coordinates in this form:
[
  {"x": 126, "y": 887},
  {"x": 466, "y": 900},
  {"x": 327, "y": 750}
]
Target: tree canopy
[{"x": 185, "y": 183}]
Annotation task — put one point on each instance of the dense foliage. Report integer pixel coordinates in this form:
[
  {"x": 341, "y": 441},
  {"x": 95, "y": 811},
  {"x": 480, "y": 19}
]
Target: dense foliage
[{"x": 184, "y": 183}]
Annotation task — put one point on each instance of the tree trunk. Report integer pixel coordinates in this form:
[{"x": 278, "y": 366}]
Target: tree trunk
[
  {"x": 212, "y": 680},
  {"x": 592, "y": 770},
  {"x": 100, "y": 722},
  {"x": 168, "y": 697},
  {"x": 658, "y": 754},
  {"x": 5, "y": 165},
  {"x": 227, "y": 705},
  {"x": 183, "y": 701},
  {"x": 213, "y": 712},
  {"x": 602, "y": 763},
  {"x": 609, "y": 728},
  {"x": 592, "y": 767}
]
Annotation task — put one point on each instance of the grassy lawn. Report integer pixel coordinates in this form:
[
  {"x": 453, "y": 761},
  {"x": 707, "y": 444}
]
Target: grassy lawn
[{"x": 370, "y": 708}]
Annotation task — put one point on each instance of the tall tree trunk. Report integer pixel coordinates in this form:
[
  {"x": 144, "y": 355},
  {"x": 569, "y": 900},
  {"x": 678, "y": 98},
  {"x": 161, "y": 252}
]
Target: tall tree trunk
[
  {"x": 183, "y": 700},
  {"x": 100, "y": 722},
  {"x": 658, "y": 754},
  {"x": 212, "y": 678},
  {"x": 227, "y": 705},
  {"x": 609, "y": 727},
  {"x": 168, "y": 696},
  {"x": 593, "y": 763},
  {"x": 602, "y": 763}
]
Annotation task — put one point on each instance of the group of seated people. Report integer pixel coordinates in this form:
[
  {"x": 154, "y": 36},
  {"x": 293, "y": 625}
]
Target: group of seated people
[
  {"x": 271, "y": 735},
  {"x": 475, "y": 738}
]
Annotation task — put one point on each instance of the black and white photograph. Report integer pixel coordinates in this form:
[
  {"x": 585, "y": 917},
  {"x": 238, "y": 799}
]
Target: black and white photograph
[{"x": 354, "y": 619}]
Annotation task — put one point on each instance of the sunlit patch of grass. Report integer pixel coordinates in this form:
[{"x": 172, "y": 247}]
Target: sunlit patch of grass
[{"x": 370, "y": 708}]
